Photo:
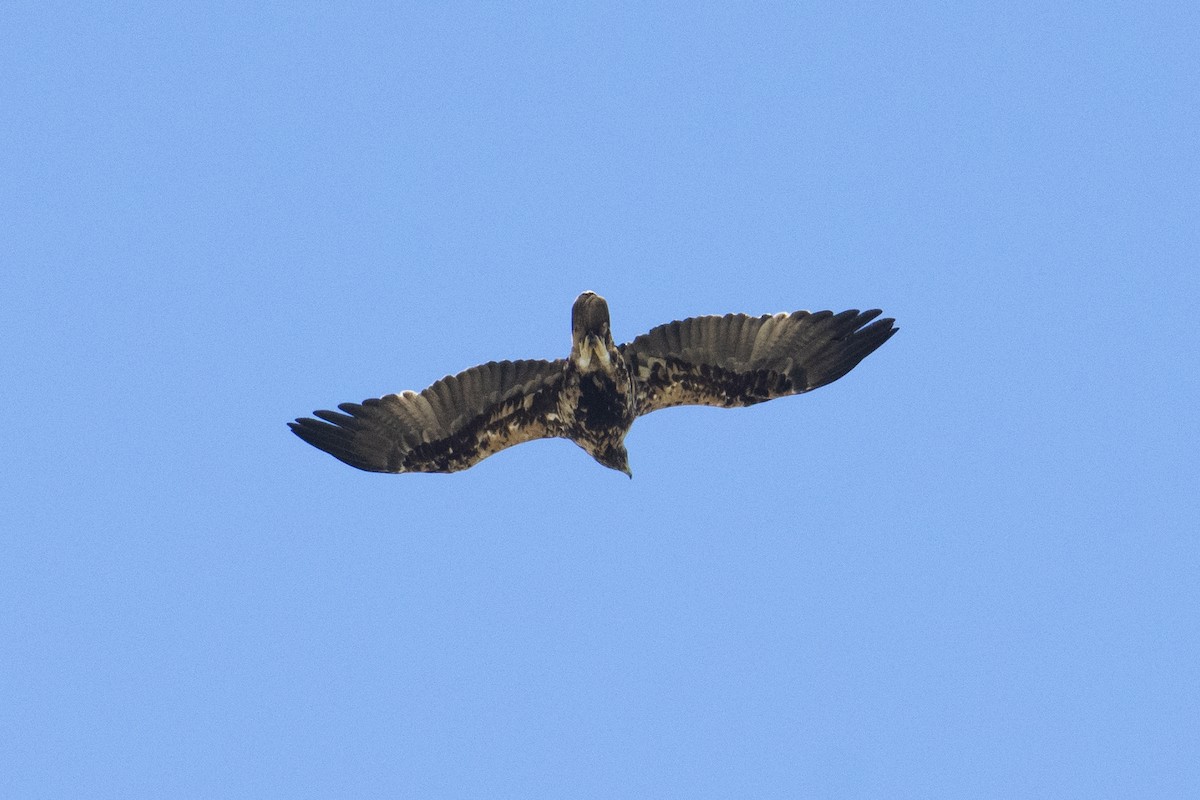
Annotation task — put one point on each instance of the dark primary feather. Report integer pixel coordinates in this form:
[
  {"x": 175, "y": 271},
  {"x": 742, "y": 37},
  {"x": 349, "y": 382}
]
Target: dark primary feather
[
  {"x": 737, "y": 360},
  {"x": 453, "y": 424}
]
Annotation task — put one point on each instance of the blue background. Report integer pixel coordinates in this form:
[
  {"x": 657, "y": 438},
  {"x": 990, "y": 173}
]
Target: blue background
[{"x": 968, "y": 569}]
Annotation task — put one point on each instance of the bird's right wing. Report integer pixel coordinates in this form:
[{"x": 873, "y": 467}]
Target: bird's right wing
[
  {"x": 453, "y": 424},
  {"x": 737, "y": 360}
]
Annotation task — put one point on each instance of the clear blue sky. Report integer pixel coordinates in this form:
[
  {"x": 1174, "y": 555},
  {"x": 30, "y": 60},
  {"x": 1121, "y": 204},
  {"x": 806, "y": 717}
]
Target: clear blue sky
[{"x": 968, "y": 569}]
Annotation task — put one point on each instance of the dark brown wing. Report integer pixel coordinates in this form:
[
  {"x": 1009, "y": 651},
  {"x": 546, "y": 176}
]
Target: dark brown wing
[
  {"x": 736, "y": 360},
  {"x": 454, "y": 424}
]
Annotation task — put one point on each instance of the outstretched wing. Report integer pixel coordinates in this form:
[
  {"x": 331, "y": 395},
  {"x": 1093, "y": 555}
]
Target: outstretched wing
[
  {"x": 454, "y": 424},
  {"x": 736, "y": 360}
]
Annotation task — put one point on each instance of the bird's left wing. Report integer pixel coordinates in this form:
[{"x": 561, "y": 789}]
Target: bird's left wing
[
  {"x": 453, "y": 424},
  {"x": 738, "y": 360}
]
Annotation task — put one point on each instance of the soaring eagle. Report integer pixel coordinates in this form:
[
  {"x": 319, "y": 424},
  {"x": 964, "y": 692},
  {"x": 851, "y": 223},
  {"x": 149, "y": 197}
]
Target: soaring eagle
[{"x": 593, "y": 396}]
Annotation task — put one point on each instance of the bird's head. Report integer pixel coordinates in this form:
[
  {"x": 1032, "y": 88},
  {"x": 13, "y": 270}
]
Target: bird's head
[
  {"x": 591, "y": 340},
  {"x": 614, "y": 457}
]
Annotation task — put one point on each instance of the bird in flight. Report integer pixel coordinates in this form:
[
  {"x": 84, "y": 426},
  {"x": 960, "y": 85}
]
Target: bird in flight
[{"x": 593, "y": 395}]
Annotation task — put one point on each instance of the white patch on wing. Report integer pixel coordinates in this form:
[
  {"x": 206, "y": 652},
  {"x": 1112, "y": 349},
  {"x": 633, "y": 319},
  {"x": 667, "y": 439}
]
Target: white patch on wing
[{"x": 646, "y": 367}]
